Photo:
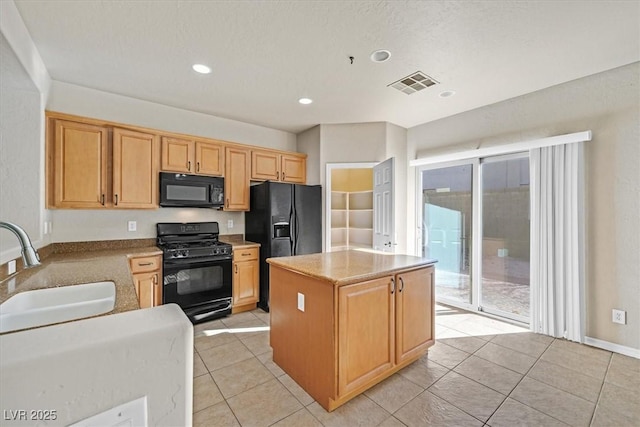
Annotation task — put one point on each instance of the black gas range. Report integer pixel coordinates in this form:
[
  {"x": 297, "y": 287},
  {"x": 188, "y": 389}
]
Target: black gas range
[{"x": 197, "y": 269}]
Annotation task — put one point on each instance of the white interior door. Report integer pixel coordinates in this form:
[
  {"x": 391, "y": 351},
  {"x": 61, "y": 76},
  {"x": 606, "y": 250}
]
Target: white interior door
[{"x": 383, "y": 207}]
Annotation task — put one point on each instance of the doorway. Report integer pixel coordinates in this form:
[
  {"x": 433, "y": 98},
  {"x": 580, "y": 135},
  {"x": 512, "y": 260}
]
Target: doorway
[{"x": 475, "y": 220}]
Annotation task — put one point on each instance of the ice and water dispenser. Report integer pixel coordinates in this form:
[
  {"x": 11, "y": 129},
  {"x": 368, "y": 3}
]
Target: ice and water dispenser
[{"x": 280, "y": 225}]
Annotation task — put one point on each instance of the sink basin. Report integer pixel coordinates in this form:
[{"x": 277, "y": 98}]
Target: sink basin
[{"x": 53, "y": 305}]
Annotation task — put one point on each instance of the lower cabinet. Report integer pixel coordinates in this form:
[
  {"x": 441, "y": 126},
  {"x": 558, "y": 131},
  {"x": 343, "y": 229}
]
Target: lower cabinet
[
  {"x": 246, "y": 279},
  {"x": 338, "y": 341},
  {"x": 147, "y": 272}
]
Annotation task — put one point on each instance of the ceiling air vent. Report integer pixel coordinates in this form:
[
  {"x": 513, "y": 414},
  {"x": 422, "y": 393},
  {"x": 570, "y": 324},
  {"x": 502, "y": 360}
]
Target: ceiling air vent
[{"x": 413, "y": 83}]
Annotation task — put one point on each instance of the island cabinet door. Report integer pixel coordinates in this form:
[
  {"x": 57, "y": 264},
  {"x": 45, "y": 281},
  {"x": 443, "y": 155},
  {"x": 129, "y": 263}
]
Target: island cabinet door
[
  {"x": 414, "y": 313},
  {"x": 365, "y": 332}
]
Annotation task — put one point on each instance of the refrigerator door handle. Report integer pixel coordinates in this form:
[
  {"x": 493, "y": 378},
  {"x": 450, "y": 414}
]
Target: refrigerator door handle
[
  {"x": 294, "y": 223},
  {"x": 291, "y": 229}
]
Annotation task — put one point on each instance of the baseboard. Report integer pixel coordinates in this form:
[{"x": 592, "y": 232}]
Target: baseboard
[{"x": 606, "y": 345}]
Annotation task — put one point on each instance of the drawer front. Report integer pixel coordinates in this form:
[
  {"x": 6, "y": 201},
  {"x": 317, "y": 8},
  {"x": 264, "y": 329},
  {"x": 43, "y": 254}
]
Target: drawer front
[
  {"x": 246, "y": 254},
  {"x": 144, "y": 264}
]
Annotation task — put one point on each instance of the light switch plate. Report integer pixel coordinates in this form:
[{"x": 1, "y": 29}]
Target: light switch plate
[
  {"x": 300, "y": 301},
  {"x": 229, "y": 223}
]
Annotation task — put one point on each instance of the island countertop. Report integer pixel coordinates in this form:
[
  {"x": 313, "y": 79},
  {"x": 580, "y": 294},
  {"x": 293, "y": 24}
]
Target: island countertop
[{"x": 350, "y": 266}]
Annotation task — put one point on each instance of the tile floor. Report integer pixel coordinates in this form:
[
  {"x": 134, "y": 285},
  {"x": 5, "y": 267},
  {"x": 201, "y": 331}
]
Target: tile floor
[{"x": 480, "y": 372}]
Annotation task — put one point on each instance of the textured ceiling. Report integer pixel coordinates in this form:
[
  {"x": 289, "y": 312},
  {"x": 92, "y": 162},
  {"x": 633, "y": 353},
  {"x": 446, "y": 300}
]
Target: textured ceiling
[{"x": 267, "y": 54}]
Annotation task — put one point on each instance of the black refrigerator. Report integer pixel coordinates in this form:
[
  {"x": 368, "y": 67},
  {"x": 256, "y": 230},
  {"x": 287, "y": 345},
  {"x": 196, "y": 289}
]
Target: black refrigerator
[{"x": 286, "y": 219}]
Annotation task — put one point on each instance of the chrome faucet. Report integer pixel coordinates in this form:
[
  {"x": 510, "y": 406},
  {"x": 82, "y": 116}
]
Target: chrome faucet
[{"x": 29, "y": 255}]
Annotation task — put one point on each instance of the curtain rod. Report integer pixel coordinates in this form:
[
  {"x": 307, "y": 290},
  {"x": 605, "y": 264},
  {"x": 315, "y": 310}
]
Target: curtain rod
[{"x": 513, "y": 147}]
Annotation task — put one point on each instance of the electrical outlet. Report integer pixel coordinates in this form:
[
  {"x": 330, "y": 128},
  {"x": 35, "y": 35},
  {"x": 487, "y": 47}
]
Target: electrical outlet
[
  {"x": 11, "y": 267},
  {"x": 132, "y": 225},
  {"x": 300, "y": 301},
  {"x": 619, "y": 316},
  {"x": 230, "y": 223},
  {"x": 46, "y": 227}
]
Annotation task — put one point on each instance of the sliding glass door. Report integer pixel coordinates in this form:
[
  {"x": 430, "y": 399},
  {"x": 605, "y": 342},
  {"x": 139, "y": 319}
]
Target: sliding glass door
[{"x": 475, "y": 222}]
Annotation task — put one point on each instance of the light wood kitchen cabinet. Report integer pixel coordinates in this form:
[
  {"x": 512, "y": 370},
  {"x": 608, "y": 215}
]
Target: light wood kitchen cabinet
[
  {"x": 147, "y": 272},
  {"x": 338, "y": 340},
  {"x": 135, "y": 169},
  {"x": 246, "y": 279},
  {"x": 79, "y": 176},
  {"x": 192, "y": 156},
  {"x": 237, "y": 177},
  {"x": 96, "y": 167},
  {"x": 273, "y": 166}
]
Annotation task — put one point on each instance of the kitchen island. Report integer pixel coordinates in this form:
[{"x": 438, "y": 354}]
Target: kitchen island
[{"x": 343, "y": 321}]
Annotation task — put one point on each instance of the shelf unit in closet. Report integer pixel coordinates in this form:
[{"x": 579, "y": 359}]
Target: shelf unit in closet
[{"x": 351, "y": 219}]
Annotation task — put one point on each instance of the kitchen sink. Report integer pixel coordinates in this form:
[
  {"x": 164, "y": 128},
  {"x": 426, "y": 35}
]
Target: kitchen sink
[{"x": 53, "y": 305}]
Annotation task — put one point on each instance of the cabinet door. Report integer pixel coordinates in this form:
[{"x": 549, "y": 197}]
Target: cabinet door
[
  {"x": 365, "y": 332},
  {"x": 209, "y": 158},
  {"x": 177, "y": 155},
  {"x": 146, "y": 288},
  {"x": 414, "y": 312},
  {"x": 80, "y": 165},
  {"x": 237, "y": 173},
  {"x": 246, "y": 282},
  {"x": 294, "y": 169},
  {"x": 135, "y": 169},
  {"x": 265, "y": 165}
]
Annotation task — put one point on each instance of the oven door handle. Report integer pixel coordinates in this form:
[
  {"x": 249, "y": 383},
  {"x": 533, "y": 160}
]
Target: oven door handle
[{"x": 195, "y": 261}]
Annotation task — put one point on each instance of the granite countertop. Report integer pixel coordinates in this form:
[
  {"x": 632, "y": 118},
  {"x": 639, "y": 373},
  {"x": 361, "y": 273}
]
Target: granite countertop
[
  {"x": 238, "y": 242},
  {"x": 73, "y": 268},
  {"x": 350, "y": 266}
]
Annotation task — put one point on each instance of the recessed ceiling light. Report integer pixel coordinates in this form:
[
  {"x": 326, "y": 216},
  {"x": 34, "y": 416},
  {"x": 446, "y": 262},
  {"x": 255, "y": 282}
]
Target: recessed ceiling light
[
  {"x": 305, "y": 101},
  {"x": 380, "y": 55},
  {"x": 447, "y": 93},
  {"x": 202, "y": 69}
]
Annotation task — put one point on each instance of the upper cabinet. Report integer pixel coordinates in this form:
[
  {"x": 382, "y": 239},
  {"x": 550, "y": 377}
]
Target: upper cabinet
[
  {"x": 237, "y": 179},
  {"x": 192, "y": 156},
  {"x": 94, "y": 168},
  {"x": 274, "y": 166}
]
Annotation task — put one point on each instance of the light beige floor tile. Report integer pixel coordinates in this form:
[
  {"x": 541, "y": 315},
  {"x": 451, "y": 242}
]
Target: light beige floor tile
[
  {"x": 576, "y": 361},
  {"x": 360, "y": 411},
  {"x": 444, "y": 332},
  {"x": 467, "y": 344},
  {"x": 205, "y": 393},
  {"x": 391, "y": 422},
  {"x": 267, "y": 360},
  {"x": 624, "y": 371},
  {"x": 258, "y": 344},
  {"x": 554, "y": 402},
  {"x": 302, "y": 418},
  {"x": 474, "y": 329},
  {"x": 220, "y": 337},
  {"x": 264, "y": 405},
  {"x": 446, "y": 355},
  {"x": 570, "y": 381},
  {"x": 453, "y": 318},
  {"x": 218, "y": 415},
  {"x": 607, "y": 417},
  {"x": 211, "y": 325},
  {"x": 295, "y": 389},
  {"x": 225, "y": 355},
  {"x": 198, "y": 365},
  {"x": 506, "y": 357},
  {"x": 250, "y": 329},
  {"x": 239, "y": 318},
  {"x": 528, "y": 343},
  {"x": 394, "y": 392},
  {"x": 423, "y": 372},
  {"x": 494, "y": 376},
  {"x": 513, "y": 413},
  {"x": 429, "y": 410},
  {"x": 593, "y": 353},
  {"x": 625, "y": 402},
  {"x": 240, "y": 377},
  {"x": 470, "y": 396},
  {"x": 262, "y": 315}
]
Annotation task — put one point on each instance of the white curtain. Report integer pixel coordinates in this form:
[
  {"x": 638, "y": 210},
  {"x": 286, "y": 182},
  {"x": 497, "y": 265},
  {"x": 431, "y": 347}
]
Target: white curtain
[{"x": 557, "y": 241}]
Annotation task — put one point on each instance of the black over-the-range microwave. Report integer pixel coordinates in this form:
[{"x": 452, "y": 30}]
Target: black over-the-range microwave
[{"x": 195, "y": 191}]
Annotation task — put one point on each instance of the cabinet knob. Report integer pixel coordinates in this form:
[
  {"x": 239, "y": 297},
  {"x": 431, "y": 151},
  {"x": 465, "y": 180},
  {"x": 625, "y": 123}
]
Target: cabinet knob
[
  {"x": 116, "y": 200},
  {"x": 236, "y": 266},
  {"x": 197, "y": 166},
  {"x": 189, "y": 165},
  {"x": 393, "y": 286},
  {"x": 102, "y": 200},
  {"x": 401, "y": 284},
  {"x": 278, "y": 175}
]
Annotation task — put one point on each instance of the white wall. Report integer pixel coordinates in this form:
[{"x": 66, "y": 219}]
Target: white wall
[
  {"x": 608, "y": 104},
  {"x": 24, "y": 87},
  {"x": 84, "y": 368},
  {"x": 308, "y": 142}
]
